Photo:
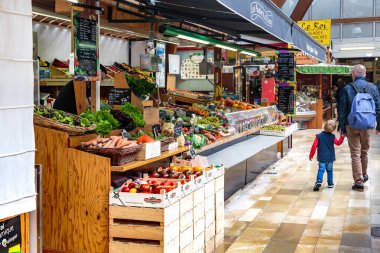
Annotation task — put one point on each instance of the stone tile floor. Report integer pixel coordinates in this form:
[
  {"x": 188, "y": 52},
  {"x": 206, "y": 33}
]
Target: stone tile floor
[{"x": 280, "y": 213}]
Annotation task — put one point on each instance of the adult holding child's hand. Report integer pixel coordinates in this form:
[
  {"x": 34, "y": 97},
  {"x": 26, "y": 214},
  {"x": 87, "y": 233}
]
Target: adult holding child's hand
[{"x": 359, "y": 110}]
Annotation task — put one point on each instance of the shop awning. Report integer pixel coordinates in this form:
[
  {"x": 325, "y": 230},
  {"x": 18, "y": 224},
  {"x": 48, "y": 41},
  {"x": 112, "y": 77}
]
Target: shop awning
[
  {"x": 253, "y": 18},
  {"x": 324, "y": 69}
]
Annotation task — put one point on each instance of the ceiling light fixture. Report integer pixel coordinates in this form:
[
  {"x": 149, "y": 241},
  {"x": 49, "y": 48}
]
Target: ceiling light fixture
[
  {"x": 180, "y": 36},
  {"x": 356, "y": 48},
  {"x": 226, "y": 47},
  {"x": 248, "y": 53}
]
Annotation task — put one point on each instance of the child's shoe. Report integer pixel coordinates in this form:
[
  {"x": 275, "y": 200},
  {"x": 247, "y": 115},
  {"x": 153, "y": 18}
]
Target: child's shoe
[
  {"x": 330, "y": 186},
  {"x": 317, "y": 186}
]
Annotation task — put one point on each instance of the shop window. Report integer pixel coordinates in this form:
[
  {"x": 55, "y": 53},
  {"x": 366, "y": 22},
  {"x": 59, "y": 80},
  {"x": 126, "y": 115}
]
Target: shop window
[
  {"x": 325, "y": 9},
  {"x": 377, "y": 7},
  {"x": 377, "y": 29},
  {"x": 335, "y": 31},
  {"x": 358, "y": 30},
  {"x": 289, "y": 6},
  {"x": 357, "y": 8}
]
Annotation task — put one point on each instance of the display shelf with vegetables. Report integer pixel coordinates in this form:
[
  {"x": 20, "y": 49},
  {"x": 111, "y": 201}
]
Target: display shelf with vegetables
[
  {"x": 281, "y": 130},
  {"x": 105, "y": 122},
  {"x": 60, "y": 120},
  {"x": 133, "y": 112}
]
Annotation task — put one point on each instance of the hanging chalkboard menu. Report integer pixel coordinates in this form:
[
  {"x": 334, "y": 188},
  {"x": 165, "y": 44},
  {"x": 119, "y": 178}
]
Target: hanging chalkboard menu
[
  {"x": 119, "y": 96},
  {"x": 85, "y": 38},
  {"x": 286, "y": 65},
  {"x": 285, "y": 99},
  {"x": 10, "y": 235}
]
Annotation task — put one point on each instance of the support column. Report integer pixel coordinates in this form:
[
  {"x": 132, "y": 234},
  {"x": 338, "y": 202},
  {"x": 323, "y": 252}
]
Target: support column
[{"x": 218, "y": 88}]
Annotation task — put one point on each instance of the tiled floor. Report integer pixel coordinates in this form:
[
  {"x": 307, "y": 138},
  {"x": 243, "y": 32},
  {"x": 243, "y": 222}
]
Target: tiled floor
[{"x": 280, "y": 213}]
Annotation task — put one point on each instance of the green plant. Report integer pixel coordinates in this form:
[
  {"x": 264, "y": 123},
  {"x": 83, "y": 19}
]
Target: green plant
[
  {"x": 133, "y": 112},
  {"x": 141, "y": 87}
]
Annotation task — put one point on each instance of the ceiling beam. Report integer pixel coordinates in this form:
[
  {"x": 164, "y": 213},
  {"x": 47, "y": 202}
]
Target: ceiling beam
[
  {"x": 301, "y": 9},
  {"x": 279, "y": 3}
]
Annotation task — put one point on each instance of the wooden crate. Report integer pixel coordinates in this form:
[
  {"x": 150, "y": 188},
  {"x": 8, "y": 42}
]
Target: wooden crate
[
  {"x": 199, "y": 227},
  {"x": 210, "y": 203},
  {"x": 199, "y": 196},
  {"x": 188, "y": 249},
  {"x": 185, "y": 221},
  {"x": 219, "y": 219},
  {"x": 210, "y": 232},
  {"x": 149, "y": 150},
  {"x": 186, "y": 237},
  {"x": 219, "y": 238},
  {"x": 209, "y": 188},
  {"x": 199, "y": 212},
  {"x": 210, "y": 245},
  {"x": 155, "y": 229},
  {"x": 186, "y": 204},
  {"x": 210, "y": 217},
  {"x": 219, "y": 198},
  {"x": 219, "y": 183},
  {"x": 199, "y": 243}
]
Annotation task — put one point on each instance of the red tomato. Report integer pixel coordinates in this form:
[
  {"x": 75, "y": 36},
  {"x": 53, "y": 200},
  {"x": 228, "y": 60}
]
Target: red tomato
[
  {"x": 157, "y": 189},
  {"x": 153, "y": 182},
  {"x": 125, "y": 189},
  {"x": 163, "y": 183},
  {"x": 172, "y": 184},
  {"x": 183, "y": 182},
  {"x": 131, "y": 185},
  {"x": 145, "y": 188}
]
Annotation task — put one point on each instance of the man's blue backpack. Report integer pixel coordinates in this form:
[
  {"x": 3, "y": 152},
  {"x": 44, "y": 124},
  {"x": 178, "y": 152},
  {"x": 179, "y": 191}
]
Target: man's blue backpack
[{"x": 363, "y": 113}]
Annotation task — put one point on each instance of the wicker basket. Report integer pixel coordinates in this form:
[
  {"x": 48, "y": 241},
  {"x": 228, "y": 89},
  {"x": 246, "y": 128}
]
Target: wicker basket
[
  {"x": 118, "y": 156},
  {"x": 165, "y": 143},
  {"x": 71, "y": 130}
]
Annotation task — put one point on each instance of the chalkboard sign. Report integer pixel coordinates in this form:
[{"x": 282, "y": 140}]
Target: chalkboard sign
[
  {"x": 285, "y": 99},
  {"x": 192, "y": 152},
  {"x": 87, "y": 67},
  {"x": 125, "y": 134},
  {"x": 10, "y": 235},
  {"x": 156, "y": 130},
  {"x": 286, "y": 65},
  {"x": 177, "y": 130},
  {"x": 119, "y": 96}
]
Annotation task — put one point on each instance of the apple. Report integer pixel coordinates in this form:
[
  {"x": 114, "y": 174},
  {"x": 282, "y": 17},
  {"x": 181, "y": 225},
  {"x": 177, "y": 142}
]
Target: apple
[
  {"x": 131, "y": 185},
  {"x": 125, "y": 189},
  {"x": 145, "y": 188}
]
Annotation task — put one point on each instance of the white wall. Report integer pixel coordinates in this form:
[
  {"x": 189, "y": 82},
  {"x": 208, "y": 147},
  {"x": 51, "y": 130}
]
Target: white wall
[
  {"x": 54, "y": 42},
  {"x": 137, "y": 48}
]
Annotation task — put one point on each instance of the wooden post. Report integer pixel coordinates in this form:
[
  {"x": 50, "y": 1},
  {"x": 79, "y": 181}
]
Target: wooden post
[
  {"x": 80, "y": 96},
  {"x": 218, "y": 88}
]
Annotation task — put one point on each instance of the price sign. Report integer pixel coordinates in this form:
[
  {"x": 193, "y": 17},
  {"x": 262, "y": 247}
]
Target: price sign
[
  {"x": 156, "y": 129},
  {"x": 286, "y": 101},
  {"x": 192, "y": 152},
  {"x": 286, "y": 65},
  {"x": 125, "y": 134},
  {"x": 119, "y": 96},
  {"x": 10, "y": 235},
  {"x": 177, "y": 130}
]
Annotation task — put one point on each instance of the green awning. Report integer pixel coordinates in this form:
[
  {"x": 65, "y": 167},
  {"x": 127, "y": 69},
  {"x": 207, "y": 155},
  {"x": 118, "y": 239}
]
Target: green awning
[{"x": 324, "y": 69}]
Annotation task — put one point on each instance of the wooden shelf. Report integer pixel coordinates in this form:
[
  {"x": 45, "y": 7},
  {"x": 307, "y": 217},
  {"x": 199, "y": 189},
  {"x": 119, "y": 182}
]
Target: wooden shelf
[{"x": 137, "y": 164}]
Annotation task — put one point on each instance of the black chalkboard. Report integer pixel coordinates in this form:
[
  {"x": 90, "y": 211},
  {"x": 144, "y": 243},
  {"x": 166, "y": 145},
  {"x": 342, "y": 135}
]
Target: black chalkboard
[
  {"x": 85, "y": 46},
  {"x": 156, "y": 130},
  {"x": 192, "y": 152},
  {"x": 119, "y": 96},
  {"x": 286, "y": 65},
  {"x": 285, "y": 99},
  {"x": 10, "y": 234},
  {"x": 177, "y": 130}
]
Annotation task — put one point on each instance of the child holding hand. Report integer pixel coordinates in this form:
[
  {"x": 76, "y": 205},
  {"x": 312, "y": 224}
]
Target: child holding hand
[{"x": 324, "y": 142}]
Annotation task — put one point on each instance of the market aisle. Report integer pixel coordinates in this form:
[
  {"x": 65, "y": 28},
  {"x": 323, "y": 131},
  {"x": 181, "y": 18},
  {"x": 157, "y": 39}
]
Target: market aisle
[{"x": 280, "y": 213}]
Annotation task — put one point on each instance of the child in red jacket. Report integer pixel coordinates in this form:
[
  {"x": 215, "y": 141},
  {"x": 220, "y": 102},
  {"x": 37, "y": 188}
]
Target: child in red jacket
[{"x": 324, "y": 142}]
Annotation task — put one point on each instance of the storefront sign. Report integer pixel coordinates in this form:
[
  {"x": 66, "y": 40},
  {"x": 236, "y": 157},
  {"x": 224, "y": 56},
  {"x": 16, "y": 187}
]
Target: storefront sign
[
  {"x": 86, "y": 45},
  {"x": 286, "y": 66},
  {"x": 10, "y": 235},
  {"x": 320, "y": 30},
  {"x": 265, "y": 60},
  {"x": 119, "y": 96},
  {"x": 285, "y": 99},
  {"x": 304, "y": 59}
]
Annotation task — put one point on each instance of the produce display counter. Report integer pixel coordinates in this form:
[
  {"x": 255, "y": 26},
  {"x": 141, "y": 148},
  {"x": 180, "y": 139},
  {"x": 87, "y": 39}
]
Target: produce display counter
[{"x": 138, "y": 164}]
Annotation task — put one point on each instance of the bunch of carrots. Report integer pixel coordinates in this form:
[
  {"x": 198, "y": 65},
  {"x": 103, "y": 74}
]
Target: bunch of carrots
[{"x": 111, "y": 142}]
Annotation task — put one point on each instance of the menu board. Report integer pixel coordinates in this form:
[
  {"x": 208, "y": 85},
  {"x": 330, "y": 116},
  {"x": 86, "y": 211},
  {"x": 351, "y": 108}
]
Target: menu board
[
  {"x": 119, "y": 96},
  {"x": 286, "y": 65},
  {"x": 86, "y": 51},
  {"x": 10, "y": 235},
  {"x": 285, "y": 99}
]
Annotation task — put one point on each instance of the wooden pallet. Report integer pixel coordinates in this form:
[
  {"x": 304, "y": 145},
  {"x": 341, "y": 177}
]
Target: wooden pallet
[{"x": 138, "y": 229}]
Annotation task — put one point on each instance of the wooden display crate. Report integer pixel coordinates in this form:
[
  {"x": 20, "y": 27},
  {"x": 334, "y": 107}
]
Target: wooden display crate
[
  {"x": 210, "y": 217},
  {"x": 199, "y": 243},
  {"x": 199, "y": 227},
  {"x": 219, "y": 238},
  {"x": 209, "y": 188},
  {"x": 199, "y": 196},
  {"x": 219, "y": 183},
  {"x": 210, "y": 245},
  {"x": 186, "y": 238},
  {"x": 149, "y": 150},
  {"x": 188, "y": 249},
  {"x": 185, "y": 221},
  {"x": 137, "y": 229},
  {"x": 186, "y": 204},
  {"x": 210, "y": 203}
]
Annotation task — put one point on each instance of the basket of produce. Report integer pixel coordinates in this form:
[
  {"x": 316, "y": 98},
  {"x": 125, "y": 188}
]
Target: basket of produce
[
  {"x": 120, "y": 150},
  {"x": 63, "y": 121},
  {"x": 165, "y": 143}
]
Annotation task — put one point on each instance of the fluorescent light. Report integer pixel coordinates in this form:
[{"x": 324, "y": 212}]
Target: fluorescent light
[
  {"x": 356, "y": 48},
  {"x": 226, "y": 47},
  {"x": 73, "y": 1},
  {"x": 192, "y": 39},
  {"x": 248, "y": 53}
]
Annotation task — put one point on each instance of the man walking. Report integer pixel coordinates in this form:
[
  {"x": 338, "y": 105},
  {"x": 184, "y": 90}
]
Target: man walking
[{"x": 359, "y": 110}]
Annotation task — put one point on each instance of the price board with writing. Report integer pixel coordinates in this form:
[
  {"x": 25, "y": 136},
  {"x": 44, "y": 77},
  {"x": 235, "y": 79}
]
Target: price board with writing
[
  {"x": 177, "y": 130},
  {"x": 86, "y": 46},
  {"x": 10, "y": 235},
  {"x": 286, "y": 65},
  {"x": 286, "y": 99},
  {"x": 119, "y": 96}
]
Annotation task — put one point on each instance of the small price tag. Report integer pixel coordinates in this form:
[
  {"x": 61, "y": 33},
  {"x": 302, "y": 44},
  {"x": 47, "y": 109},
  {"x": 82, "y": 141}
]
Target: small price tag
[
  {"x": 177, "y": 130},
  {"x": 196, "y": 130},
  {"x": 156, "y": 129},
  {"x": 192, "y": 152},
  {"x": 125, "y": 134}
]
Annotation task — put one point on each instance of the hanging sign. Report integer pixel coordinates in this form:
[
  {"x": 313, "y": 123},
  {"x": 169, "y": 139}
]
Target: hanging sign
[
  {"x": 119, "y": 96},
  {"x": 268, "y": 89},
  {"x": 86, "y": 46},
  {"x": 320, "y": 30},
  {"x": 10, "y": 235},
  {"x": 286, "y": 66}
]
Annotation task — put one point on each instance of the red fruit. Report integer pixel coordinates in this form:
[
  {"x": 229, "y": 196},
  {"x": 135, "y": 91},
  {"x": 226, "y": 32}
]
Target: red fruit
[
  {"x": 154, "y": 175},
  {"x": 183, "y": 182},
  {"x": 163, "y": 183},
  {"x": 145, "y": 188},
  {"x": 131, "y": 185},
  {"x": 125, "y": 189},
  {"x": 157, "y": 189},
  {"x": 172, "y": 184},
  {"x": 153, "y": 182}
]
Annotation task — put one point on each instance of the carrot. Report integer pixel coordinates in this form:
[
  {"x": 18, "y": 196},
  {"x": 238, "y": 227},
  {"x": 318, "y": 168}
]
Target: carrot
[
  {"x": 89, "y": 143},
  {"x": 106, "y": 145},
  {"x": 105, "y": 140},
  {"x": 113, "y": 141}
]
